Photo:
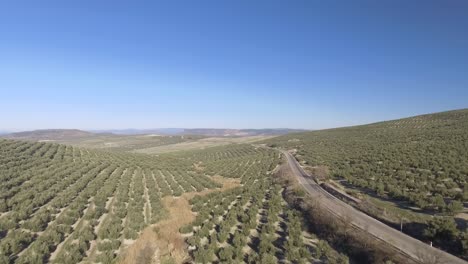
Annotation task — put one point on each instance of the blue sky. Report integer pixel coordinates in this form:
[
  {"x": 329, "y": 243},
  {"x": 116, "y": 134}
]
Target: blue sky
[{"x": 229, "y": 64}]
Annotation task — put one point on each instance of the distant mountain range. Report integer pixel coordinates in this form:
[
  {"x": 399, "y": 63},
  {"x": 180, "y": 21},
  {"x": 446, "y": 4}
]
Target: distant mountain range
[
  {"x": 241, "y": 132},
  {"x": 214, "y": 132},
  {"x": 70, "y": 134},
  {"x": 132, "y": 131}
]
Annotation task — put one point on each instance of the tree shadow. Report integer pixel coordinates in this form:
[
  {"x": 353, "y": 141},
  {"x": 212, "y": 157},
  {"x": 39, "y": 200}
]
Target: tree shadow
[{"x": 280, "y": 241}]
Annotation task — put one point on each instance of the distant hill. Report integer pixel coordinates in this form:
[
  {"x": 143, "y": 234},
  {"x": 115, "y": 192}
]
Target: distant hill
[
  {"x": 140, "y": 140},
  {"x": 239, "y": 132},
  {"x": 50, "y": 134},
  {"x": 212, "y": 132},
  {"x": 132, "y": 131}
]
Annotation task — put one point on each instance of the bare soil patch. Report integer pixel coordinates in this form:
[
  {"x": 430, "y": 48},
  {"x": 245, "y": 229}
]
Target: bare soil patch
[
  {"x": 201, "y": 144},
  {"x": 163, "y": 238}
]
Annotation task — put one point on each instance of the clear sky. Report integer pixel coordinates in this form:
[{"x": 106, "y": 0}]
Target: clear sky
[{"x": 229, "y": 64}]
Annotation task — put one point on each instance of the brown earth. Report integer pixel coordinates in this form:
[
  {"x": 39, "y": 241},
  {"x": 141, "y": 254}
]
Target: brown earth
[{"x": 163, "y": 239}]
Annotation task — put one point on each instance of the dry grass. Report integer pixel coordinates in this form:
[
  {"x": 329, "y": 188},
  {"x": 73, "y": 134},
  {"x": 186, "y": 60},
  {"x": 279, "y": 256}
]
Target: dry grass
[
  {"x": 163, "y": 238},
  {"x": 284, "y": 173},
  {"x": 320, "y": 172}
]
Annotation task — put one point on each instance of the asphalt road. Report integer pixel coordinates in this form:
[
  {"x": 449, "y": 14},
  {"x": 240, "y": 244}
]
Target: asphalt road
[{"x": 409, "y": 246}]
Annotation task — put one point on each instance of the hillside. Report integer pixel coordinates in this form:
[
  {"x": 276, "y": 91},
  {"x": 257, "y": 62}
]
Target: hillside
[
  {"x": 421, "y": 160},
  {"x": 148, "y": 141},
  {"x": 50, "y": 134},
  {"x": 101, "y": 140}
]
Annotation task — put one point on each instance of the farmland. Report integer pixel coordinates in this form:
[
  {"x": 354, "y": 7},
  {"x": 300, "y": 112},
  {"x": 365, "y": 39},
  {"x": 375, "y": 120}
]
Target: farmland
[
  {"x": 423, "y": 159},
  {"x": 415, "y": 167},
  {"x": 65, "y": 204},
  {"x": 252, "y": 223},
  {"x": 201, "y": 143},
  {"x": 106, "y": 141},
  {"x": 229, "y": 201},
  {"x": 149, "y": 143},
  {"x": 59, "y": 203}
]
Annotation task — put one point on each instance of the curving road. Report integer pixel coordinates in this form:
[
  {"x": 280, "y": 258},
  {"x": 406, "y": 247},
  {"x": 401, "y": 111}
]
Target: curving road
[{"x": 407, "y": 245}]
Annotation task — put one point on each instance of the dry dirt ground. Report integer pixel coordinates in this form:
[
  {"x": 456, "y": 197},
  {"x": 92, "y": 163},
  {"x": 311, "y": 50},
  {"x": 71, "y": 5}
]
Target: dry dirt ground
[
  {"x": 163, "y": 240},
  {"x": 201, "y": 144}
]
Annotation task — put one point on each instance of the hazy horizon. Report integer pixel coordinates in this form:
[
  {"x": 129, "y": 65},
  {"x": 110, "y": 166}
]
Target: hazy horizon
[
  {"x": 103, "y": 130},
  {"x": 146, "y": 129}
]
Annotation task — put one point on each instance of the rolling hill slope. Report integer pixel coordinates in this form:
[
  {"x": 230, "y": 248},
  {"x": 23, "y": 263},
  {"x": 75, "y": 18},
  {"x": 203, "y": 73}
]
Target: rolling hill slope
[
  {"x": 50, "y": 134},
  {"x": 100, "y": 140},
  {"x": 148, "y": 141},
  {"x": 421, "y": 161},
  {"x": 421, "y": 158}
]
